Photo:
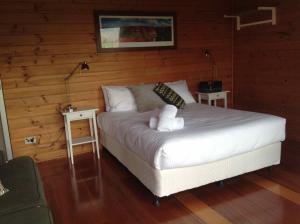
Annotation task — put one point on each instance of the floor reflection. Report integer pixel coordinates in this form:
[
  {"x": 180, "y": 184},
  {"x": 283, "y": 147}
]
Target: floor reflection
[{"x": 86, "y": 179}]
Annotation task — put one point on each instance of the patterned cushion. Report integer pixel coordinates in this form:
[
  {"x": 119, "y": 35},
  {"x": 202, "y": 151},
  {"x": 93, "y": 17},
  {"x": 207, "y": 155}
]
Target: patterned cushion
[{"x": 169, "y": 95}]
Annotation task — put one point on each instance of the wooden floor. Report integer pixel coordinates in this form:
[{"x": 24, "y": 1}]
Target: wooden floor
[{"x": 105, "y": 192}]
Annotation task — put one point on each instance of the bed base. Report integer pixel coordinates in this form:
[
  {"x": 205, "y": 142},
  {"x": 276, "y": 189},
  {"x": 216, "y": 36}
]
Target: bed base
[
  {"x": 270, "y": 169},
  {"x": 156, "y": 201},
  {"x": 221, "y": 183},
  {"x": 169, "y": 181}
]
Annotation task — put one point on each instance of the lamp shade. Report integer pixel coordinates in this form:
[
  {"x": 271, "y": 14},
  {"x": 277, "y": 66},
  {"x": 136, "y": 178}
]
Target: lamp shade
[
  {"x": 207, "y": 53},
  {"x": 84, "y": 66}
]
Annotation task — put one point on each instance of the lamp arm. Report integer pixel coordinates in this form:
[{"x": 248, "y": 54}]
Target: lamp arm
[
  {"x": 214, "y": 66},
  {"x": 72, "y": 72}
]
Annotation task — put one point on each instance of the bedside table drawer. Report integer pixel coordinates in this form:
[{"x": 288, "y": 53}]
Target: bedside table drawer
[
  {"x": 217, "y": 96},
  {"x": 213, "y": 97},
  {"x": 80, "y": 115}
]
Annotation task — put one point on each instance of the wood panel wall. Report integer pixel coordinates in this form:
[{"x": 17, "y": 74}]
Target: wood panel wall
[
  {"x": 41, "y": 41},
  {"x": 267, "y": 69}
]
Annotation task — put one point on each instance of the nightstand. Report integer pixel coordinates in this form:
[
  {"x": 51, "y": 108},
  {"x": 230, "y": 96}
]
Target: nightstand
[
  {"x": 213, "y": 97},
  {"x": 89, "y": 114}
]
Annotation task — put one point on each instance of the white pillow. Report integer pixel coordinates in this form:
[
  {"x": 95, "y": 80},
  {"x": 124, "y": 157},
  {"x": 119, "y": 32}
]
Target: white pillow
[
  {"x": 118, "y": 98},
  {"x": 181, "y": 88},
  {"x": 107, "y": 107}
]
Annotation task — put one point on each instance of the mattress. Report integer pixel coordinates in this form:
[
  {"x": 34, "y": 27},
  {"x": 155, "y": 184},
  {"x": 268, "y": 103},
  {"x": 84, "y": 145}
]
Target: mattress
[{"x": 210, "y": 134}]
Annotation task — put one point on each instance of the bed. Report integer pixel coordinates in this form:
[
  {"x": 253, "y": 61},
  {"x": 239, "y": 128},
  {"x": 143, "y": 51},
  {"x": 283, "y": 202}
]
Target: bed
[{"x": 214, "y": 145}]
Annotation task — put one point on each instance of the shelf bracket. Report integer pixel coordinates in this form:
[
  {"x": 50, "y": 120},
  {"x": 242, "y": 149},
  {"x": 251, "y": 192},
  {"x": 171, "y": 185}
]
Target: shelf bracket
[{"x": 260, "y": 8}]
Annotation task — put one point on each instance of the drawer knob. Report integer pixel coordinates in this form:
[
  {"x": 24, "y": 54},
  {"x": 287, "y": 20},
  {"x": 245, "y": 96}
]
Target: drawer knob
[{"x": 80, "y": 115}]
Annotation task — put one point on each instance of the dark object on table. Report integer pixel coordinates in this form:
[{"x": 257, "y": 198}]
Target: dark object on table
[{"x": 210, "y": 86}]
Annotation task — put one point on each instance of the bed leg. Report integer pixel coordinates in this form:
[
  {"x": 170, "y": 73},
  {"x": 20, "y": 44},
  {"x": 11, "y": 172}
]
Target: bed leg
[
  {"x": 221, "y": 183},
  {"x": 156, "y": 201},
  {"x": 270, "y": 169}
]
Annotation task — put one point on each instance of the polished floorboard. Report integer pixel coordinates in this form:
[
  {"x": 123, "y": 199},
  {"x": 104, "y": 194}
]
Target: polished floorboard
[{"x": 105, "y": 191}]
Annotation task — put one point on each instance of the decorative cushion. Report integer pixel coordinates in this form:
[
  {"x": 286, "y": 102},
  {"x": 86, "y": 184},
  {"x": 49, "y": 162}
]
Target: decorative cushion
[
  {"x": 118, "y": 98},
  {"x": 169, "y": 95},
  {"x": 3, "y": 190},
  {"x": 145, "y": 98},
  {"x": 181, "y": 88}
]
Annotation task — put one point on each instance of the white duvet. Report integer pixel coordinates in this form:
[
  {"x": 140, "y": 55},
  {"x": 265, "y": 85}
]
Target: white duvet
[{"x": 210, "y": 134}]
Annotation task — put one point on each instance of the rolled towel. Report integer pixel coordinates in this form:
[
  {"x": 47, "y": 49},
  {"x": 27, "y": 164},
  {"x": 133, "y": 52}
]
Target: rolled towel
[
  {"x": 153, "y": 122},
  {"x": 168, "y": 111},
  {"x": 170, "y": 124}
]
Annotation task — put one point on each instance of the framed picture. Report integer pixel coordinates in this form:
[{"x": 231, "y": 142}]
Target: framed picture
[{"x": 117, "y": 31}]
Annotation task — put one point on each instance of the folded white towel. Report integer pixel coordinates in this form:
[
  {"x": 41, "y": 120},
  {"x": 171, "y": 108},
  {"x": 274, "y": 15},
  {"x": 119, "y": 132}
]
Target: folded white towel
[
  {"x": 153, "y": 122},
  {"x": 168, "y": 111},
  {"x": 170, "y": 124},
  {"x": 166, "y": 120}
]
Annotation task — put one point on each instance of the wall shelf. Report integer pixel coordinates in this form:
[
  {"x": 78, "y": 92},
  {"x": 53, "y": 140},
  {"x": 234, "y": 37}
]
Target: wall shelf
[{"x": 259, "y": 8}]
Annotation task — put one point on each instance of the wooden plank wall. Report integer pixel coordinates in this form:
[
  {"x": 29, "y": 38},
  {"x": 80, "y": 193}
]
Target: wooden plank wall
[
  {"x": 41, "y": 41},
  {"x": 267, "y": 69}
]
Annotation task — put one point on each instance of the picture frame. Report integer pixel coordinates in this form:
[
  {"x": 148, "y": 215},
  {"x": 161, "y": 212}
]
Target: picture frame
[{"x": 127, "y": 31}]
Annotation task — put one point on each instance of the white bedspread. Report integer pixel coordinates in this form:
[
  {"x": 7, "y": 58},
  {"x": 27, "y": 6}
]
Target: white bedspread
[{"x": 210, "y": 134}]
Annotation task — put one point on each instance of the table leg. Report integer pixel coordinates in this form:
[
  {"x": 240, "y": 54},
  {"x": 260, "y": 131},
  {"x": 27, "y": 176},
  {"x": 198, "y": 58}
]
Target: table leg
[
  {"x": 92, "y": 133},
  {"x": 225, "y": 101},
  {"x": 215, "y": 103},
  {"x": 70, "y": 141},
  {"x": 67, "y": 137},
  {"x": 199, "y": 98},
  {"x": 96, "y": 135}
]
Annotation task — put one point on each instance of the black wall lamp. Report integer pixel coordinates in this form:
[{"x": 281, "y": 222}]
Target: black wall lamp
[
  {"x": 212, "y": 85},
  {"x": 83, "y": 66},
  {"x": 214, "y": 67},
  {"x": 206, "y": 53}
]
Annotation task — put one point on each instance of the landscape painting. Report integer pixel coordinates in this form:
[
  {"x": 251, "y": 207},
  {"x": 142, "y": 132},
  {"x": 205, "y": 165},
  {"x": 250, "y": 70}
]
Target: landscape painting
[{"x": 132, "y": 32}]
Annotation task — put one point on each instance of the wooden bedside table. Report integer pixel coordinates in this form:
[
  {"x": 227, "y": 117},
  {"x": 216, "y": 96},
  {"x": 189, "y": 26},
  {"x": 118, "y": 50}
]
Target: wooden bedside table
[
  {"x": 89, "y": 114},
  {"x": 213, "y": 97}
]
